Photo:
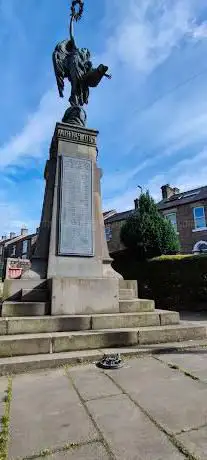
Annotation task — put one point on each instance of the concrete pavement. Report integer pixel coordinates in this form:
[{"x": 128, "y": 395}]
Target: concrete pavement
[{"x": 154, "y": 408}]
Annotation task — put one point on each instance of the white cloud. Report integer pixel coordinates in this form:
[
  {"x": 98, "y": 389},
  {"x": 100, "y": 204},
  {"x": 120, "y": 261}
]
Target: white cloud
[
  {"x": 187, "y": 174},
  {"x": 149, "y": 31},
  {"x": 13, "y": 218},
  {"x": 37, "y": 130},
  {"x": 200, "y": 31},
  {"x": 118, "y": 180},
  {"x": 121, "y": 202}
]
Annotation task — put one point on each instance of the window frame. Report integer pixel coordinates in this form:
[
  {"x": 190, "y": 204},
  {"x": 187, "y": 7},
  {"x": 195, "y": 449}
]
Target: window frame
[
  {"x": 199, "y": 218},
  {"x": 25, "y": 252},
  {"x": 108, "y": 227},
  {"x": 173, "y": 213},
  {"x": 13, "y": 251}
]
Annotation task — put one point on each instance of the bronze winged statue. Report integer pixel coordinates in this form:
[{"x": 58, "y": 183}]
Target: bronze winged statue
[{"x": 75, "y": 64}]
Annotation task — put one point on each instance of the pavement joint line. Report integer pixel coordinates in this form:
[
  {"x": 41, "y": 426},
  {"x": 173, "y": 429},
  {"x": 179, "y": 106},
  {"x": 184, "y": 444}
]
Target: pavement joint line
[
  {"x": 102, "y": 438},
  {"x": 101, "y": 397},
  {"x": 44, "y": 453},
  {"x": 180, "y": 369},
  {"x": 171, "y": 436}
]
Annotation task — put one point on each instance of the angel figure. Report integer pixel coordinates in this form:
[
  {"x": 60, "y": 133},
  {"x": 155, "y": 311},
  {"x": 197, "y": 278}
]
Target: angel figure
[{"x": 75, "y": 64}]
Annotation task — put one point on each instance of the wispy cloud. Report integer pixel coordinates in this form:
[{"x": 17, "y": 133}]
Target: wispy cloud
[
  {"x": 37, "y": 130},
  {"x": 149, "y": 31},
  {"x": 186, "y": 174},
  {"x": 200, "y": 31}
]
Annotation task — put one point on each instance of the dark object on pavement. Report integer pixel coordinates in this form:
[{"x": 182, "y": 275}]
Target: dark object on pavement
[{"x": 110, "y": 362}]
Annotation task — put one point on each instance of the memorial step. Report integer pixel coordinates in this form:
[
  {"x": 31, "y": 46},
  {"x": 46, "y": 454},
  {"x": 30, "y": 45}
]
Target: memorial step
[
  {"x": 136, "y": 305},
  {"x": 36, "y": 325},
  {"x": 13, "y": 288},
  {"x": 58, "y": 342},
  {"x": 20, "y": 364},
  {"x": 25, "y": 309},
  {"x": 129, "y": 284},
  {"x": 126, "y": 294},
  {"x": 35, "y": 295}
]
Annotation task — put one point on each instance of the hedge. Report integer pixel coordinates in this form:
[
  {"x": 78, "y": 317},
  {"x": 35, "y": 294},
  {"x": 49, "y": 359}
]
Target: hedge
[{"x": 175, "y": 282}]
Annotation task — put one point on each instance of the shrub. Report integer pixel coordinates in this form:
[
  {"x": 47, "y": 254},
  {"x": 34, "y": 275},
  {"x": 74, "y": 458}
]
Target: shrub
[
  {"x": 175, "y": 282},
  {"x": 147, "y": 233}
]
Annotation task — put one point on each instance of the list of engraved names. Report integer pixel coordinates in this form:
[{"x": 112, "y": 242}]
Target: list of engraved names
[{"x": 76, "y": 230}]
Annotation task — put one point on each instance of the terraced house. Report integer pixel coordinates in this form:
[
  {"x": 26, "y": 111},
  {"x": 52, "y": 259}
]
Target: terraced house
[{"x": 186, "y": 210}]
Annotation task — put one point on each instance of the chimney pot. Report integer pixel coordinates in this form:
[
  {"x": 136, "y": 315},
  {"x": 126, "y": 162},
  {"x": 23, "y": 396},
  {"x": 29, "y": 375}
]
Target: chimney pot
[{"x": 24, "y": 231}]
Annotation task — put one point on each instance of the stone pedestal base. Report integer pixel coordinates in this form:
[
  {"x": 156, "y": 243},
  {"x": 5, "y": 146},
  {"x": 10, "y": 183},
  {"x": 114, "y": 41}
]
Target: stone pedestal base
[
  {"x": 81, "y": 296},
  {"x": 71, "y": 251}
]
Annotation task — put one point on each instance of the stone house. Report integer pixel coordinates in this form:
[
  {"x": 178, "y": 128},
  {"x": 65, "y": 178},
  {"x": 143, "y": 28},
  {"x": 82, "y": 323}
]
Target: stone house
[
  {"x": 186, "y": 210},
  {"x": 17, "y": 246}
]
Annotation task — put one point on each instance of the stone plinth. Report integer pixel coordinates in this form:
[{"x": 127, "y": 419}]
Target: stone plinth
[
  {"x": 80, "y": 296},
  {"x": 71, "y": 249}
]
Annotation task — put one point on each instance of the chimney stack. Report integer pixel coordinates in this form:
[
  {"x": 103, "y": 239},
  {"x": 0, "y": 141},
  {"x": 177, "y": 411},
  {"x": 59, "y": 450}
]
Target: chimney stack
[
  {"x": 168, "y": 192},
  {"x": 12, "y": 235},
  {"x": 136, "y": 204},
  {"x": 24, "y": 231}
]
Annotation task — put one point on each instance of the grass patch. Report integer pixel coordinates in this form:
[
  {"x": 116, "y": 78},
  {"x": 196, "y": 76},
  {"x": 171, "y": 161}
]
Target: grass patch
[{"x": 5, "y": 422}]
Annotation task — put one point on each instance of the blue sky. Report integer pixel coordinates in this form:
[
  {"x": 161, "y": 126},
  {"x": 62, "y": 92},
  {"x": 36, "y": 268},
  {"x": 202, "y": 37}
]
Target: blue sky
[{"x": 152, "y": 116}]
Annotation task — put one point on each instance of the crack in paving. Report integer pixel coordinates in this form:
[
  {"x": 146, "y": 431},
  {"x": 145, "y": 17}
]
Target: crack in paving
[
  {"x": 189, "y": 430},
  {"x": 180, "y": 369},
  {"x": 102, "y": 438},
  {"x": 171, "y": 436}
]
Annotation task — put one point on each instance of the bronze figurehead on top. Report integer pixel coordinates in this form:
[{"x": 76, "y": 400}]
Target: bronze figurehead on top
[{"x": 75, "y": 64}]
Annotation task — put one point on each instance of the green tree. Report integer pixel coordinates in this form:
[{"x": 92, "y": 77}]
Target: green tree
[{"x": 147, "y": 233}]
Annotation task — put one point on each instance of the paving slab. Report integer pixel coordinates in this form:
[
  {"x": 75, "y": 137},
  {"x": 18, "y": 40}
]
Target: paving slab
[
  {"x": 194, "y": 363},
  {"x": 92, "y": 383},
  {"x": 46, "y": 413},
  {"x": 195, "y": 442},
  {"x": 175, "y": 401},
  {"x": 90, "y": 452},
  {"x": 128, "y": 432}
]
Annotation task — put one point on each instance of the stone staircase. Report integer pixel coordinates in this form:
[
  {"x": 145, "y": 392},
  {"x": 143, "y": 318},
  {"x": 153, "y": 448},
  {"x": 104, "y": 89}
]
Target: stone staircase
[{"x": 28, "y": 330}]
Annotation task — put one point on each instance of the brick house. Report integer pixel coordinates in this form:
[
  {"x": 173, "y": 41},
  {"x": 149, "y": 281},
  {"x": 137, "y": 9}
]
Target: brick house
[
  {"x": 186, "y": 210},
  {"x": 17, "y": 246}
]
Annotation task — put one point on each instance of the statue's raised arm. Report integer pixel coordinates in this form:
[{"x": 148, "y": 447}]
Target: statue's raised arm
[{"x": 75, "y": 64}]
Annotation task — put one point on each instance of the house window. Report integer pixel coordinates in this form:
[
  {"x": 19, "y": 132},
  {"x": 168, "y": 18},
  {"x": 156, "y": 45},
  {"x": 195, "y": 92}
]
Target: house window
[
  {"x": 173, "y": 219},
  {"x": 108, "y": 233},
  {"x": 199, "y": 217},
  {"x": 24, "y": 249},
  {"x": 13, "y": 250}
]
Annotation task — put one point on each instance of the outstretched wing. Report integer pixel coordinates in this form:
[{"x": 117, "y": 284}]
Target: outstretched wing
[{"x": 58, "y": 57}]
